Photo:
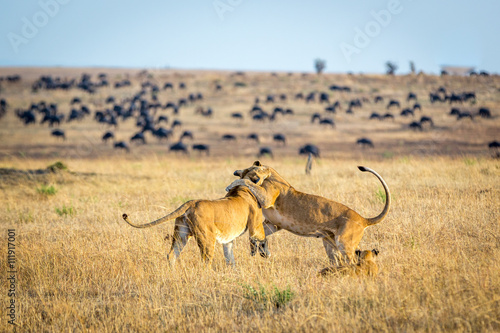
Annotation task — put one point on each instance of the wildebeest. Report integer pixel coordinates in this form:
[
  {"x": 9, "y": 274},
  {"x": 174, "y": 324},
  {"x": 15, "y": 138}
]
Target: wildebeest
[
  {"x": 417, "y": 106},
  {"x": 375, "y": 115},
  {"x": 279, "y": 138},
  {"x": 415, "y": 125},
  {"x": 388, "y": 116},
  {"x": 58, "y": 133},
  {"x": 108, "y": 135},
  {"x": 270, "y": 99},
  {"x": 176, "y": 123},
  {"x": 236, "y": 115},
  {"x": 309, "y": 149},
  {"x": 253, "y": 136},
  {"x": 426, "y": 120},
  {"x": 411, "y": 96},
  {"x": 187, "y": 134},
  {"x": 484, "y": 113},
  {"x": 202, "y": 148},
  {"x": 27, "y": 116},
  {"x": 75, "y": 100},
  {"x": 365, "y": 142},
  {"x": 463, "y": 115},
  {"x": 138, "y": 137},
  {"x": 314, "y": 117},
  {"x": 327, "y": 121},
  {"x": 179, "y": 147},
  {"x": 454, "y": 112},
  {"x": 407, "y": 112},
  {"x": 265, "y": 151},
  {"x": 161, "y": 119},
  {"x": 494, "y": 145},
  {"x": 228, "y": 137},
  {"x": 162, "y": 133},
  {"x": 121, "y": 145},
  {"x": 392, "y": 103},
  {"x": 378, "y": 99},
  {"x": 323, "y": 97}
]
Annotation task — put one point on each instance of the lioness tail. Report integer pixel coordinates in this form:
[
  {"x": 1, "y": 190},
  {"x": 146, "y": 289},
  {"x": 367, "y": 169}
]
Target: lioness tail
[
  {"x": 176, "y": 213},
  {"x": 381, "y": 216}
]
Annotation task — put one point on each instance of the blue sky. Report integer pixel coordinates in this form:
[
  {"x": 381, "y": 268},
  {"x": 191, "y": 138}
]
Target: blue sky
[{"x": 251, "y": 34}]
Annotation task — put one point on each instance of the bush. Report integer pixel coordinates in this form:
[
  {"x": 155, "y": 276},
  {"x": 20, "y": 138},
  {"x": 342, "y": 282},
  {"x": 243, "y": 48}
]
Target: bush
[
  {"x": 65, "y": 211},
  {"x": 57, "y": 166},
  {"x": 274, "y": 297},
  {"x": 47, "y": 190}
]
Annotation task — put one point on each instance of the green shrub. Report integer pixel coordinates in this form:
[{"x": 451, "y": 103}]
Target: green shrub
[
  {"x": 57, "y": 166},
  {"x": 65, "y": 211},
  {"x": 268, "y": 297},
  {"x": 46, "y": 190}
]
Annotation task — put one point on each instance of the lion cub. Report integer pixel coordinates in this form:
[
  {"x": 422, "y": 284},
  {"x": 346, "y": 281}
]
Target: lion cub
[
  {"x": 365, "y": 265},
  {"x": 211, "y": 221}
]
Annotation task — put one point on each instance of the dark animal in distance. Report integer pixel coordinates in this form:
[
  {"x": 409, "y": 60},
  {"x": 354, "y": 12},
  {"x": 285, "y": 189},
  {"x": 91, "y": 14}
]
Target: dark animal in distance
[
  {"x": 179, "y": 147},
  {"x": 58, "y": 134},
  {"x": 228, "y": 137},
  {"x": 265, "y": 151},
  {"x": 415, "y": 125},
  {"x": 309, "y": 149},
  {"x": 365, "y": 142},
  {"x": 122, "y": 145},
  {"x": 138, "y": 137},
  {"x": 279, "y": 138},
  {"x": 253, "y": 136},
  {"x": 202, "y": 148},
  {"x": 392, "y": 103},
  {"x": 484, "y": 113},
  {"x": 187, "y": 134},
  {"x": 107, "y": 136}
]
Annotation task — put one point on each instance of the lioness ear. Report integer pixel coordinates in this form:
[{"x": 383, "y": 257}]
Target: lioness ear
[
  {"x": 257, "y": 163},
  {"x": 238, "y": 173},
  {"x": 375, "y": 252},
  {"x": 358, "y": 253}
]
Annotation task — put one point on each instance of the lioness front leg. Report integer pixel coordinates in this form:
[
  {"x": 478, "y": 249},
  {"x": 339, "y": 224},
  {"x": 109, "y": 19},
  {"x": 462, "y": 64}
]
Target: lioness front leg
[{"x": 264, "y": 199}]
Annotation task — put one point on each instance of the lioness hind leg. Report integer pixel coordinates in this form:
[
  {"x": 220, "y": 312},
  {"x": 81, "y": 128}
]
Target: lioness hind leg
[
  {"x": 181, "y": 236},
  {"x": 206, "y": 243},
  {"x": 331, "y": 250}
]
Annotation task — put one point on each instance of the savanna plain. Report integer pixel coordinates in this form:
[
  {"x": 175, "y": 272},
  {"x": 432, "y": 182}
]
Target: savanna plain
[{"x": 80, "y": 267}]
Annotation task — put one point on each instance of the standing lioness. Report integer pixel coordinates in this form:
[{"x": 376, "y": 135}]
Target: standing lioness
[
  {"x": 340, "y": 227},
  {"x": 220, "y": 220}
]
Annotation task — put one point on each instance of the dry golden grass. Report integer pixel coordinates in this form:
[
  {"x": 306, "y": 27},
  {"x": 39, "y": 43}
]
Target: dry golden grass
[
  {"x": 80, "y": 267},
  {"x": 87, "y": 270}
]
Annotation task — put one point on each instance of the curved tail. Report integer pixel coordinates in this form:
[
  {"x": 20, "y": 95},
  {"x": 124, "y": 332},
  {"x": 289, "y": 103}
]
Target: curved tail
[
  {"x": 176, "y": 213},
  {"x": 381, "y": 216}
]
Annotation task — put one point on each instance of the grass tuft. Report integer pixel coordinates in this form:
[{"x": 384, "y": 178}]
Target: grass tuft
[
  {"x": 65, "y": 211},
  {"x": 270, "y": 297},
  {"x": 46, "y": 190}
]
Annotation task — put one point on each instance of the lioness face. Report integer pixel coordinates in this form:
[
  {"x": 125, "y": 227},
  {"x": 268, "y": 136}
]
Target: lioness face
[{"x": 257, "y": 173}]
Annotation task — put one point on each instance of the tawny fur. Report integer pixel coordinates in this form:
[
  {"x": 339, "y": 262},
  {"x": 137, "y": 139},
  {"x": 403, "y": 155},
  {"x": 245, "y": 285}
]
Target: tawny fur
[
  {"x": 365, "y": 266},
  {"x": 211, "y": 221},
  {"x": 340, "y": 227}
]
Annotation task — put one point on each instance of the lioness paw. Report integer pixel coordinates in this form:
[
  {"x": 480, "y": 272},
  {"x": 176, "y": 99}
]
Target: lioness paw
[{"x": 237, "y": 182}]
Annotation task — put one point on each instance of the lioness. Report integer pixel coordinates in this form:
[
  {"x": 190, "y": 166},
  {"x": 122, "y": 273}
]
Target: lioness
[
  {"x": 365, "y": 265},
  {"x": 220, "y": 220},
  {"x": 340, "y": 227}
]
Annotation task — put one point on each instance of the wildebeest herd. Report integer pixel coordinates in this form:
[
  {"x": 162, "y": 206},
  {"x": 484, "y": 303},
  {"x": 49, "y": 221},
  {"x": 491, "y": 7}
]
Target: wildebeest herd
[{"x": 159, "y": 108}]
